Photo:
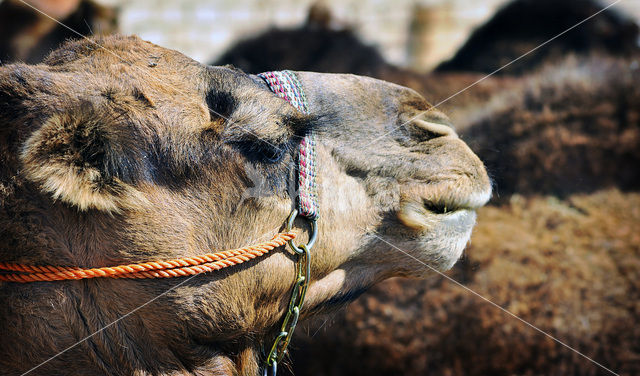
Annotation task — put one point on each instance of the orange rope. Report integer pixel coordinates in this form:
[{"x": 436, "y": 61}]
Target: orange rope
[{"x": 180, "y": 267}]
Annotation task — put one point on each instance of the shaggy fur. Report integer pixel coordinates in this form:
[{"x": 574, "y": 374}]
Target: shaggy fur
[
  {"x": 132, "y": 152},
  {"x": 522, "y": 25},
  {"x": 314, "y": 46},
  {"x": 573, "y": 127}
]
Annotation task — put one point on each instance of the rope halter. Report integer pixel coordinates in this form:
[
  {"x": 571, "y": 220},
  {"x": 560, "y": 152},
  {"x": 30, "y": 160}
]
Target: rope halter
[{"x": 285, "y": 85}]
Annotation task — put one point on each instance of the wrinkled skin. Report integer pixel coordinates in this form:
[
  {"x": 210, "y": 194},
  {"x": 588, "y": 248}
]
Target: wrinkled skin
[{"x": 139, "y": 153}]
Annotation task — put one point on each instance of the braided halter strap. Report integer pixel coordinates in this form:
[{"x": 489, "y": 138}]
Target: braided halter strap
[
  {"x": 180, "y": 267},
  {"x": 285, "y": 85}
]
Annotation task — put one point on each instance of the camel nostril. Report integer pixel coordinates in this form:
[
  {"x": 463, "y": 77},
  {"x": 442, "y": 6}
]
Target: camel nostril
[
  {"x": 421, "y": 130},
  {"x": 435, "y": 129}
]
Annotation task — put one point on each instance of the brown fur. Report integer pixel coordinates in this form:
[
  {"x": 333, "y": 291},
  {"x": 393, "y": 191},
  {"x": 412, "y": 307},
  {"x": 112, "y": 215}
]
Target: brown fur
[
  {"x": 132, "y": 152},
  {"x": 521, "y": 28},
  {"x": 572, "y": 127}
]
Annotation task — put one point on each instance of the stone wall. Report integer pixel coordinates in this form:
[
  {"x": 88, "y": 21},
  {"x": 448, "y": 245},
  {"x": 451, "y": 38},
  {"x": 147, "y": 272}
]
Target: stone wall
[{"x": 410, "y": 33}]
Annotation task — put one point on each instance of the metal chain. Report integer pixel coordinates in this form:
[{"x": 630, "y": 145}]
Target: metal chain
[{"x": 303, "y": 275}]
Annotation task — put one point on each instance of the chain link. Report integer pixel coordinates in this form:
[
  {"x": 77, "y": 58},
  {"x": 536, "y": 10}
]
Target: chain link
[{"x": 303, "y": 275}]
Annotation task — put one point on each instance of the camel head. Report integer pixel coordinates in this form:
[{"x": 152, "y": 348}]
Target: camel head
[{"x": 123, "y": 151}]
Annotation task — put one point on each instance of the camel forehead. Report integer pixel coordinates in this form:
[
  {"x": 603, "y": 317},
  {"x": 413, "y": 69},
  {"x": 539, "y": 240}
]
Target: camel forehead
[
  {"x": 128, "y": 61},
  {"x": 129, "y": 65},
  {"x": 121, "y": 70},
  {"x": 104, "y": 52}
]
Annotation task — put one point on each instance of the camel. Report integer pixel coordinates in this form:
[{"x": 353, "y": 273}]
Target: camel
[{"x": 119, "y": 151}]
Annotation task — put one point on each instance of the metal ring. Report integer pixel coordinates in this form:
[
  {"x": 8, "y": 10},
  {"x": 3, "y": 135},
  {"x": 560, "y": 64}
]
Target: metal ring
[
  {"x": 312, "y": 238},
  {"x": 271, "y": 370}
]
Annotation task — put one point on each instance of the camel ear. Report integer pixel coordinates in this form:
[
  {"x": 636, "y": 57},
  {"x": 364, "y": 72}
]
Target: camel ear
[{"x": 80, "y": 160}]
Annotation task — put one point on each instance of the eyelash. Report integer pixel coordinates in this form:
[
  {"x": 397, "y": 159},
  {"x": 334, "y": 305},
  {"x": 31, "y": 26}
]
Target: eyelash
[
  {"x": 273, "y": 154},
  {"x": 261, "y": 151}
]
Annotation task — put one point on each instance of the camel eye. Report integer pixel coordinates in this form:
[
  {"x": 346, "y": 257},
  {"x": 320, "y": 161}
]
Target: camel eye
[
  {"x": 262, "y": 151},
  {"x": 272, "y": 154},
  {"x": 220, "y": 104}
]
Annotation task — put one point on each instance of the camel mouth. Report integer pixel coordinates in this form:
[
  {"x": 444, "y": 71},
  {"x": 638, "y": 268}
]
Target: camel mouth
[
  {"x": 422, "y": 206},
  {"x": 439, "y": 232},
  {"x": 423, "y": 214},
  {"x": 439, "y": 235}
]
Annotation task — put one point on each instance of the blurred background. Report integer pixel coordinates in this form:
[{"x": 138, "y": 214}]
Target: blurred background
[{"x": 559, "y": 130}]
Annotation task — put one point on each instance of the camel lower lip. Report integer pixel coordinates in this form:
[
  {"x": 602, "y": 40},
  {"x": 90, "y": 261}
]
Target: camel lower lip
[
  {"x": 441, "y": 238},
  {"x": 459, "y": 220},
  {"x": 447, "y": 238}
]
